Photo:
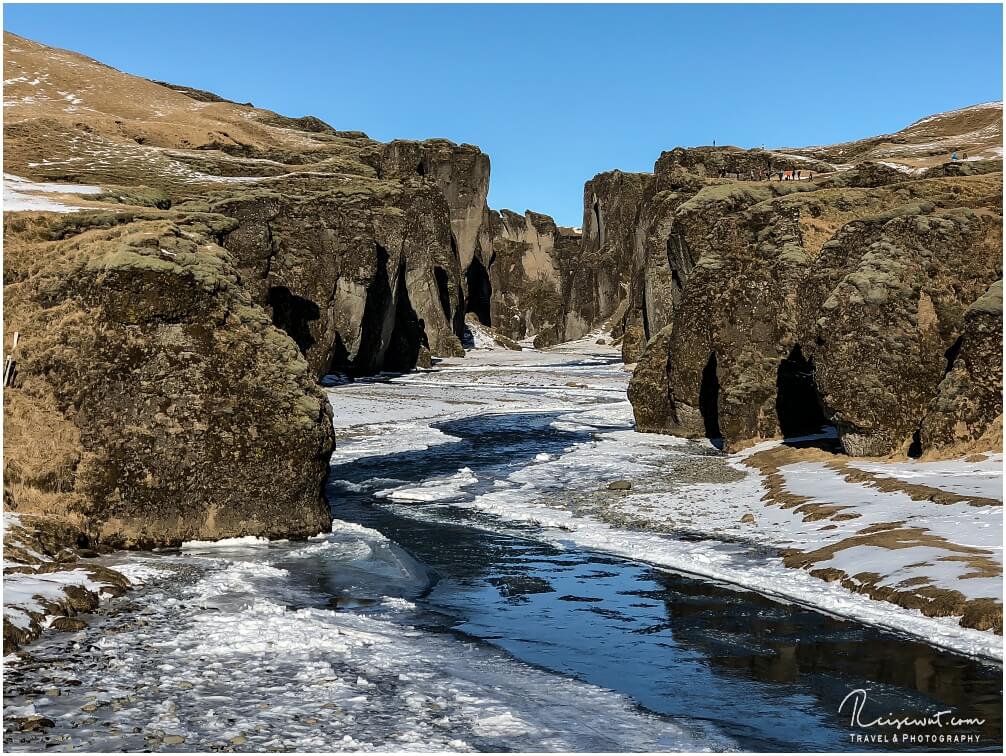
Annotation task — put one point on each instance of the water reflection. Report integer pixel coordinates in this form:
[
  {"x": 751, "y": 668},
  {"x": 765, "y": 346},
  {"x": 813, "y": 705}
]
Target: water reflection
[{"x": 769, "y": 675}]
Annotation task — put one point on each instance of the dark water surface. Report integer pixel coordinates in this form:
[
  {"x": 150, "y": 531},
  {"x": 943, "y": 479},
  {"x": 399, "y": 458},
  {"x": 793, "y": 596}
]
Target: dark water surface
[{"x": 768, "y": 675}]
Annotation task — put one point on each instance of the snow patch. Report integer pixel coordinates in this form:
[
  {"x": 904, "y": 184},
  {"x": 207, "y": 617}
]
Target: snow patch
[
  {"x": 982, "y": 478},
  {"x": 20, "y": 195},
  {"x": 441, "y": 490},
  {"x": 243, "y": 542}
]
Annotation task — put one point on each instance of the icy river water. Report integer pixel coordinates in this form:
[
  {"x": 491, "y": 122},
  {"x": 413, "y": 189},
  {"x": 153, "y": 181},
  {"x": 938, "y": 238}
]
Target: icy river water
[{"x": 423, "y": 622}]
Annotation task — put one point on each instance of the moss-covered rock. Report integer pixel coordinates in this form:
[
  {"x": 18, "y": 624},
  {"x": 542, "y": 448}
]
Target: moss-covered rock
[
  {"x": 794, "y": 304},
  {"x": 883, "y": 335},
  {"x": 649, "y": 388},
  {"x": 966, "y": 413},
  {"x": 362, "y": 274},
  {"x": 173, "y": 408}
]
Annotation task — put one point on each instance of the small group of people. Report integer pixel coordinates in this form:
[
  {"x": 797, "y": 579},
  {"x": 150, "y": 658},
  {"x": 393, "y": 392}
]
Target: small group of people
[
  {"x": 793, "y": 175},
  {"x": 766, "y": 175}
]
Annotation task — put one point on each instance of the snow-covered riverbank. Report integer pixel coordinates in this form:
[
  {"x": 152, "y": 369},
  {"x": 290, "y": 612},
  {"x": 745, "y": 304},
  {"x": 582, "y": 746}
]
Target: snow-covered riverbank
[
  {"x": 39, "y": 591},
  {"x": 227, "y": 646},
  {"x": 725, "y": 518},
  {"x": 461, "y": 640}
]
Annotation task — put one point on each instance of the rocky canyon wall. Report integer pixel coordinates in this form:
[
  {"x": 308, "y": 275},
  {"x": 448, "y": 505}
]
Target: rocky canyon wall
[
  {"x": 860, "y": 299},
  {"x": 532, "y": 267},
  {"x": 612, "y": 203},
  {"x": 221, "y": 259},
  {"x": 362, "y": 274},
  {"x": 152, "y": 400}
]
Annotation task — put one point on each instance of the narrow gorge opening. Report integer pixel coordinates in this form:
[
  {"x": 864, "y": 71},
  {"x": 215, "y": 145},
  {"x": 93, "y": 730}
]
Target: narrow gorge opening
[
  {"x": 457, "y": 318},
  {"x": 709, "y": 402},
  {"x": 645, "y": 315},
  {"x": 408, "y": 334},
  {"x": 597, "y": 223},
  {"x": 679, "y": 263},
  {"x": 443, "y": 291},
  {"x": 797, "y": 403},
  {"x": 951, "y": 354},
  {"x": 376, "y": 320},
  {"x": 294, "y": 315},
  {"x": 480, "y": 291}
]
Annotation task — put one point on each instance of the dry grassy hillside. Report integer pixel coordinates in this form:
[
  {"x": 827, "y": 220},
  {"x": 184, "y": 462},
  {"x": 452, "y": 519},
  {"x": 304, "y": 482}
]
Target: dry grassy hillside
[
  {"x": 976, "y": 131},
  {"x": 70, "y": 118}
]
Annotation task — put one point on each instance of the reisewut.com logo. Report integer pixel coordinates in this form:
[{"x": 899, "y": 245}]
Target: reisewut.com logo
[{"x": 917, "y": 729}]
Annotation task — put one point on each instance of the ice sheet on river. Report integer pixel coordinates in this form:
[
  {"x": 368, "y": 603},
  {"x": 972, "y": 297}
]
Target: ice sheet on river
[
  {"x": 233, "y": 648},
  {"x": 701, "y": 525}
]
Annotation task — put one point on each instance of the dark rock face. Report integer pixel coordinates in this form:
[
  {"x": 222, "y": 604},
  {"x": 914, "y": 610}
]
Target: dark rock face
[
  {"x": 649, "y": 387},
  {"x": 531, "y": 276},
  {"x": 728, "y": 314},
  {"x": 461, "y": 172},
  {"x": 794, "y": 304},
  {"x": 154, "y": 401},
  {"x": 362, "y": 276},
  {"x": 500, "y": 292},
  {"x": 662, "y": 258},
  {"x": 367, "y": 274},
  {"x": 887, "y": 329},
  {"x": 967, "y": 410},
  {"x": 611, "y": 253}
]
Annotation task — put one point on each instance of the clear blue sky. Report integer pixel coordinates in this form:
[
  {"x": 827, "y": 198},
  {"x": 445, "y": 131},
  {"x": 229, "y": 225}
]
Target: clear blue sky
[{"x": 558, "y": 93}]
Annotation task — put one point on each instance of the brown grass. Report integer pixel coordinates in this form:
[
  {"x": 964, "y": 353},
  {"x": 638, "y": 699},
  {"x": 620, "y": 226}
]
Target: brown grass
[{"x": 917, "y": 593}]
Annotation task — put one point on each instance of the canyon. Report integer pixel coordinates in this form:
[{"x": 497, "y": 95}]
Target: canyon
[
  {"x": 230, "y": 259},
  {"x": 186, "y": 273},
  {"x": 762, "y": 309}
]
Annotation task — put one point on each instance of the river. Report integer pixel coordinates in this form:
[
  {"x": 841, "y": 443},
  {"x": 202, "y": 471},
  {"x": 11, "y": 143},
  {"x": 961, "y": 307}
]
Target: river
[{"x": 424, "y": 622}]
